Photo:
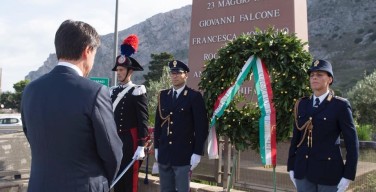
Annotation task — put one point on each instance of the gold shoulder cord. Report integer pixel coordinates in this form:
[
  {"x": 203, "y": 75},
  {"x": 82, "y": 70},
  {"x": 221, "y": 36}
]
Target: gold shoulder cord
[
  {"x": 307, "y": 126},
  {"x": 164, "y": 119}
]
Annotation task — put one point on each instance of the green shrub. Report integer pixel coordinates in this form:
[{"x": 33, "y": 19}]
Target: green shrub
[
  {"x": 364, "y": 132},
  {"x": 363, "y": 100}
]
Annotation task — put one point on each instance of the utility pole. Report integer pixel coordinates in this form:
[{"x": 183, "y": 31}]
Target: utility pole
[{"x": 116, "y": 39}]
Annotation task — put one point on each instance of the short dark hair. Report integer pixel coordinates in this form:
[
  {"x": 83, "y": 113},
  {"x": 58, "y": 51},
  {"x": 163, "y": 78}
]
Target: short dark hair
[{"x": 73, "y": 37}]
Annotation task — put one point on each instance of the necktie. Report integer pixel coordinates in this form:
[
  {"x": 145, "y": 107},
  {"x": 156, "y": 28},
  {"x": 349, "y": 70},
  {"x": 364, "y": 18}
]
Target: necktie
[
  {"x": 317, "y": 102},
  {"x": 174, "y": 96}
]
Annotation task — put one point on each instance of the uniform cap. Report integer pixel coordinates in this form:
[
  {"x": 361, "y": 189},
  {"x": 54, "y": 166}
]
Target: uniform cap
[
  {"x": 321, "y": 65},
  {"x": 178, "y": 66}
]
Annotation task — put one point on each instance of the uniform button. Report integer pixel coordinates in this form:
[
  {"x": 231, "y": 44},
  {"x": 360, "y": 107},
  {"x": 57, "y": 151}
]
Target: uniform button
[
  {"x": 171, "y": 113},
  {"x": 170, "y": 142},
  {"x": 324, "y": 118},
  {"x": 306, "y": 156},
  {"x": 121, "y": 125},
  {"x": 329, "y": 158},
  {"x": 310, "y": 118},
  {"x": 122, "y": 108},
  {"x": 172, "y": 123},
  {"x": 182, "y": 109},
  {"x": 170, "y": 132},
  {"x": 121, "y": 113}
]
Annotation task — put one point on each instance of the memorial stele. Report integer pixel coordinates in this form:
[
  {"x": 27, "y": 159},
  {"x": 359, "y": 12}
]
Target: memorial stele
[{"x": 215, "y": 22}]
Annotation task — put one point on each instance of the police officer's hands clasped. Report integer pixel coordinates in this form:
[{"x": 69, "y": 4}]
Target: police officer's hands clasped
[
  {"x": 343, "y": 185},
  {"x": 140, "y": 153},
  {"x": 291, "y": 173},
  {"x": 195, "y": 159}
]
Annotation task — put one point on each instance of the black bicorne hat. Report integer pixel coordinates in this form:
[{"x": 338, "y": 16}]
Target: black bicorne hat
[{"x": 127, "y": 62}]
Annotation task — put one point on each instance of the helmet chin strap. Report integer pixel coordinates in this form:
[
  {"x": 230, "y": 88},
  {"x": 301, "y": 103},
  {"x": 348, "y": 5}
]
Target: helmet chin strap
[{"x": 126, "y": 75}]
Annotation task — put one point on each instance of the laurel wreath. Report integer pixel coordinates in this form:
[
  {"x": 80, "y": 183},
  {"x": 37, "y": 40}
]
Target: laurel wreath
[{"x": 287, "y": 62}]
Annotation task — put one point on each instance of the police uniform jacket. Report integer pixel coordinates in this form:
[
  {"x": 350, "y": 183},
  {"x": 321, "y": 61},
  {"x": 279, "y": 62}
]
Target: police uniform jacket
[
  {"x": 181, "y": 128},
  {"x": 320, "y": 161},
  {"x": 132, "y": 111}
]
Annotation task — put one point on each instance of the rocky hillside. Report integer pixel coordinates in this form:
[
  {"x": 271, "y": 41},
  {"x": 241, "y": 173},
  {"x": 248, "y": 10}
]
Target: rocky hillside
[{"x": 343, "y": 32}]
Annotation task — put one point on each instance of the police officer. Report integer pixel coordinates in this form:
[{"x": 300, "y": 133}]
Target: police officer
[
  {"x": 315, "y": 162},
  {"x": 131, "y": 117},
  {"x": 181, "y": 128}
]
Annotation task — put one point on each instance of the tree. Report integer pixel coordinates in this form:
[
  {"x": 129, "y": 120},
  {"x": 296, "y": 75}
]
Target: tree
[
  {"x": 7, "y": 99},
  {"x": 158, "y": 61},
  {"x": 13, "y": 100},
  {"x": 363, "y": 99},
  {"x": 153, "y": 91}
]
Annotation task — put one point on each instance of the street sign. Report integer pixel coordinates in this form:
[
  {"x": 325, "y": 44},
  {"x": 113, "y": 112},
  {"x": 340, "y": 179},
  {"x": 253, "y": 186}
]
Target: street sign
[{"x": 101, "y": 80}]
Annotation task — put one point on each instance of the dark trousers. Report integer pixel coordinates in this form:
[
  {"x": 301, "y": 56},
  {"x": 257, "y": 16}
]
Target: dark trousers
[
  {"x": 174, "y": 178},
  {"x": 129, "y": 181},
  {"x": 303, "y": 185}
]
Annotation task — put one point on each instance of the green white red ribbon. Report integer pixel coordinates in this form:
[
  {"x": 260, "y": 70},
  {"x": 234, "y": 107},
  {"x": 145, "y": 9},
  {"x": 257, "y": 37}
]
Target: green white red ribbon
[
  {"x": 267, "y": 121},
  {"x": 222, "y": 103},
  {"x": 265, "y": 100}
]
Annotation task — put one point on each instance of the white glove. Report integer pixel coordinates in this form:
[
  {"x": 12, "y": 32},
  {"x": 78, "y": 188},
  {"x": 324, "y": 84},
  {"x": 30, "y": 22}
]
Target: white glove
[
  {"x": 195, "y": 159},
  {"x": 291, "y": 173},
  {"x": 139, "y": 154},
  {"x": 156, "y": 154},
  {"x": 343, "y": 184}
]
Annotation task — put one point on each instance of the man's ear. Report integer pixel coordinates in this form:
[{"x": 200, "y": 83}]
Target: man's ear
[{"x": 86, "y": 52}]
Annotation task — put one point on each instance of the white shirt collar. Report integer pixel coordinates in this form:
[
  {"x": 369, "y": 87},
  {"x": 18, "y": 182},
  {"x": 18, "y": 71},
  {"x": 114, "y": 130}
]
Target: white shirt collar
[
  {"x": 322, "y": 97},
  {"x": 70, "y": 65},
  {"x": 126, "y": 85},
  {"x": 178, "y": 91}
]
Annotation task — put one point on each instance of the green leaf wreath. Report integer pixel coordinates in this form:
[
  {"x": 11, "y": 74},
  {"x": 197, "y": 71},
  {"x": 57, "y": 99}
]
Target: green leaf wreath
[{"x": 286, "y": 60}]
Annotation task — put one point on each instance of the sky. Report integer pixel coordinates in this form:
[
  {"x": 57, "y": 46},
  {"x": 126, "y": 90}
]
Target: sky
[{"x": 27, "y": 27}]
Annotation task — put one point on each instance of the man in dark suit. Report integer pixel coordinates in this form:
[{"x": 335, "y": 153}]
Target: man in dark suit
[
  {"x": 68, "y": 120},
  {"x": 315, "y": 161},
  {"x": 131, "y": 116},
  {"x": 181, "y": 129}
]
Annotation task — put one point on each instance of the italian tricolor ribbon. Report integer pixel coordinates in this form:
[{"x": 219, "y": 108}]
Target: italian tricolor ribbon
[{"x": 267, "y": 119}]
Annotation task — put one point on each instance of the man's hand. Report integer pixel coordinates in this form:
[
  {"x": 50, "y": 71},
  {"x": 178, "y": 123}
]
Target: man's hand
[
  {"x": 139, "y": 154},
  {"x": 291, "y": 173},
  {"x": 195, "y": 159},
  {"x": 343, "y": 184},
  {"x": 156, "y": 154}
]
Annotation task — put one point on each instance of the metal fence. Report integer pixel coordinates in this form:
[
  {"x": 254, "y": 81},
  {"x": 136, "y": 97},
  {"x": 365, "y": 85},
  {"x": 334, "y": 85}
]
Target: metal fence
[{"x": 250, "y": 175}]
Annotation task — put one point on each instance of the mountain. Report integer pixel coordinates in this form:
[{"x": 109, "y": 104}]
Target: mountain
[{"x": 343, "y": 32}]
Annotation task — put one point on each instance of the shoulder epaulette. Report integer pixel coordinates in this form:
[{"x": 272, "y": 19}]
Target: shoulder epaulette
[
  {"x": 340, "y": 98},
  {"x": 139, "y": 90},
  {"x": 111, "y": 89}
]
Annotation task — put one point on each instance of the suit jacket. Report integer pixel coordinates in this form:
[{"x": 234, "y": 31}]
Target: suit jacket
[
  {"x": 181, "y": 128},
  {"x": 69, "y": 124},
  {"x": 322, "y": 163}
]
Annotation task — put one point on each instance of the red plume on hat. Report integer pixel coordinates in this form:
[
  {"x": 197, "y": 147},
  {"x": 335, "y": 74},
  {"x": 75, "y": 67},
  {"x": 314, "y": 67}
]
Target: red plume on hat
[{"x": 129, "y": 45}]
